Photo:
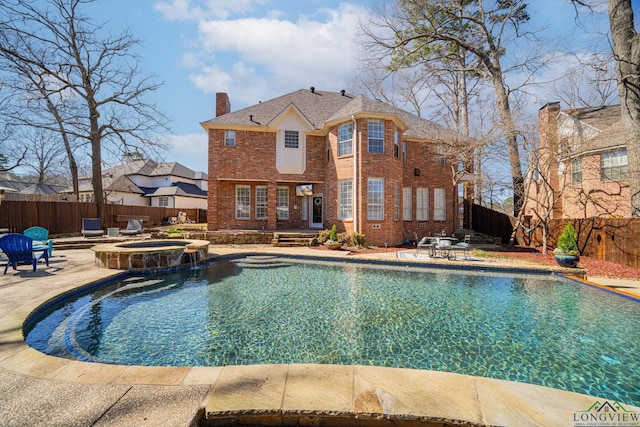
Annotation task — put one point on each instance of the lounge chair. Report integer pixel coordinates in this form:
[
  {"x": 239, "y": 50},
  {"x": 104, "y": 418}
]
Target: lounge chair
[
  {"x": 425, "y": 242},
  {"x": 91, "y": 227},
  {"x": 20, "y": 249},
  {"x": 134, "y": 226},
  {"x": 40, "y": 237},
  {"x": 464, "y": 246}
]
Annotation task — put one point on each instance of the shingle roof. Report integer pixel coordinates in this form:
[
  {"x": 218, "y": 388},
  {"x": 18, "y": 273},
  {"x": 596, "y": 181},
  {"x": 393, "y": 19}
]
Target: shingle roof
[
  {"x": 178, "y": 189},
  {"x": 320, "y": 107},
  {"x": 607, "y": 121},
  {"x": 599, "y": 117}
]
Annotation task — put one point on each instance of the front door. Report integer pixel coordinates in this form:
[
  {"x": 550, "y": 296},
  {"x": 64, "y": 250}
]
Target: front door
[{"x": 316, "y": 211}]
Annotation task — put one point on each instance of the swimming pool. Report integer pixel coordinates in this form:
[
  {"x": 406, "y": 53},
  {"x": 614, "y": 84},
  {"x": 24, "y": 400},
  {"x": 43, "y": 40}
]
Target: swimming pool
[{"x": 257, "y": 310}]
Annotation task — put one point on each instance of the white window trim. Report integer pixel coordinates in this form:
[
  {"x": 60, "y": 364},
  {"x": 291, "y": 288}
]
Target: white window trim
[
  {"x": 346, "y": 142},
  {"x": 228, "y": 137},
  {"x": 439, "y": 204},
  {"x": 422, "y": 204},
  {"x": 281, "y": 204},
  {"x": 248, "y": 200},
  {"x": 261, "y": 204},
  {"x": 369, "y": 138},
  {"x": 375, "y": 208},
  {"x": 345, "y": 199},
  {"x": 407, "y": 204}
]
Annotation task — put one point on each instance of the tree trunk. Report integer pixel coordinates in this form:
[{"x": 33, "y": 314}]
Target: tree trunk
[
  {"x": 626, "y": 50},
  {"x": 96, "y": 161}
]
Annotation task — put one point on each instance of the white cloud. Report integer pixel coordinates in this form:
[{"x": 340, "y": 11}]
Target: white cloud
[
  {"x": 189, "y": 150},
  {"x": 184, "y": 10}
]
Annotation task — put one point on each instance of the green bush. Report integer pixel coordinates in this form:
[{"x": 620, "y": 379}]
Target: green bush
[
  {"x": 568, "y": 241},
  {"x": 333, "y": 234},
  {"x": 323, "y": 236},
  {"x": 344, "y": 238},
  {"x": 358, "y": 239}
]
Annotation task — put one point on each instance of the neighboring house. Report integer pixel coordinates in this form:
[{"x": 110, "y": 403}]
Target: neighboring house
[
  {"x": 587, "y": 156},
  {"x": 147, "y": 183},
  {"x": 310, "y": 159},
  {"x": 28, "y": 191}
]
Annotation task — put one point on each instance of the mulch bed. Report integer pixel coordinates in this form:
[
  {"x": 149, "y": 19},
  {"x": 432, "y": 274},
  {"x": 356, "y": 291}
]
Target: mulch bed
[{"x": 594, "y": 266}]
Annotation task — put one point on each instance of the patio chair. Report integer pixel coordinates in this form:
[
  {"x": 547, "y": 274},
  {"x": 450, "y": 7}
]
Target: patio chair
[
  {"x": 20, "y": 249},
  {"x": 443, "y": 248},
  {"x": 40, "y": 237},
  {"x": 134, "y": 226},
  {"x": 464, "y": 246},
  {"x": 91, "y": 227}
]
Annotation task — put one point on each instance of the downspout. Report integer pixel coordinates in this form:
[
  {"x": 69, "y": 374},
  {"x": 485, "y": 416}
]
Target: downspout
[{"x": 355, "y": 174}]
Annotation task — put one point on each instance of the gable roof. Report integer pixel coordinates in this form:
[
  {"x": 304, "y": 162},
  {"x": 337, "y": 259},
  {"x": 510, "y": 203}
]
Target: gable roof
[
  {"x": 321, "y": 108},
  {"x": 606, "y": 121},
  {"x": 177, "y": 189}
]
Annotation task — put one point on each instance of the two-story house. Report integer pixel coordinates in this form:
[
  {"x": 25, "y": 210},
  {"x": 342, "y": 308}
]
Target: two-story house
[
  {"x": 310, "y": 159},
  {"x": 586, "y": 155},
  {"x": 149, "y": 183}
]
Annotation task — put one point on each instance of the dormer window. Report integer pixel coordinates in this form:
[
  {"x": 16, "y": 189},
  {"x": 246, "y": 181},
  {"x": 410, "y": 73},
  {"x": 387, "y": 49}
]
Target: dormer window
[{"x": 291, "y": 139}]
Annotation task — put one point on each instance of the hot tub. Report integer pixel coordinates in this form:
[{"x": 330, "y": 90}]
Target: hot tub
[{"x": 151, "y": 254}]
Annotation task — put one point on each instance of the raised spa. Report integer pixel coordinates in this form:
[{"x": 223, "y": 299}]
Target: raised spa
[{"x": 151, "y": 254}]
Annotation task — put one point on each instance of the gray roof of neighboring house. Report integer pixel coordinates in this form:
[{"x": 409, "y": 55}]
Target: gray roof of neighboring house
[
  {"x": 320, "y": 107},
  {"x": 31, "y": 188},
  {"x": 178, "y": 189},
  {"x": 607, "y": 120}
]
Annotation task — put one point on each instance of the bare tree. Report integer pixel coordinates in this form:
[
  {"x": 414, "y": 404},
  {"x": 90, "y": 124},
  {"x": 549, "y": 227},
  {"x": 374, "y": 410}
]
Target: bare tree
[
  {"x": 476, "y": 27},
  {"x": 590, "y": 83},
  {"x": 90, "y": 66}
]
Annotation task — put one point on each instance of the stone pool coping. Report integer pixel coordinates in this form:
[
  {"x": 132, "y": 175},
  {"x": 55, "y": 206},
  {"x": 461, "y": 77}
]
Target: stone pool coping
[{"x": 282, "y": 394}]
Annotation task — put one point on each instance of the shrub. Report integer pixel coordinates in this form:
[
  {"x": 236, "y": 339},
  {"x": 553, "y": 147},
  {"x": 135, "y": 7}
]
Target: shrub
[
  {"x": 358, "y": 239},
  {"x": 323, "y": 236},
  {"x": 333, "y": 234},
  {"x": 568, "y": 241},
  {"x": 344, "y": 238}
]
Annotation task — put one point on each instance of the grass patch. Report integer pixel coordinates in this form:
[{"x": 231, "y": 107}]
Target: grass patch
[{"x": 486, "y": 254}]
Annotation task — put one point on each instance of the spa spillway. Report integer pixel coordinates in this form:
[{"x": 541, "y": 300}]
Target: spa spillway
[{"x": 151, "y": 254}]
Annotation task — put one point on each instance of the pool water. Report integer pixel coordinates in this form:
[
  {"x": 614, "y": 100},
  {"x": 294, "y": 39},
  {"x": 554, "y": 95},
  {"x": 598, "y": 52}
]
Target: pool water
[{"x": 256, "y": 310}]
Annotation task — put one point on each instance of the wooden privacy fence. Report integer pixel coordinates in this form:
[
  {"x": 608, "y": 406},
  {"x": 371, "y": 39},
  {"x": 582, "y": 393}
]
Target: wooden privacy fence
[
  {"x": 610, "y": 239},
  {"x": 66, "y": 217}
]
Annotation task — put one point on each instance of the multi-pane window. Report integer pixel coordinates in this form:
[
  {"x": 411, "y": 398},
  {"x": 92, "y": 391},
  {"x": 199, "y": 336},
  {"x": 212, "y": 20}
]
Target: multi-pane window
[
  {"x": 406, "y": 204},
  {"x": 614, "y": 165},
  {"x": 442, "y": 158},
  {"x": 345, "y": 199},
  {"x": 345, "y": 139},
  {"x": 576, "y": 172},
  {"x": 439, "y": 204},
  {"x": 230, "y": 138},
  {"x": 261, "y": 202},
  {"x": 282, "y": 202},
  {"x": 422, "y": 204},
  {"x": 291, "y": 139},
  {"x": 375, "y": 193},
  {"x": 396, "y": 143},
  {"x": 396, "y": 201},
  {"x": 404, "y": 152},
  {"x": 243, "y": 201},
  {"x": 163, "y": 201},
  {"x": 376, "y": 136}
]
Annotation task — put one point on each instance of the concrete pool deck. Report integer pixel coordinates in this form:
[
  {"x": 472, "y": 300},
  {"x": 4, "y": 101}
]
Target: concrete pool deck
[{"x": 36, "y": 389}]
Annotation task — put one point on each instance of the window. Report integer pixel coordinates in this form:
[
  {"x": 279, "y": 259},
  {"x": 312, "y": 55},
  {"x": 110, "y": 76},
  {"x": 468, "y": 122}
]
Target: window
[
  {"x": 442, "y": 159},
  {"x": 614, "y": 165},
  {"x": 396, "y": 201},
  {"x": 439, "y": 204},
  {"x": 230, "y": 138},
  {"x": 304, "y": 211},
  {"x": 261, "y": 202},
  {"x": 422, "y": 204},
  {"x": 404, "y": 152},
  {"x": 376, "y": 136},
  {"x": 375, "y": 192},
  {"x": 576, "y": 172},
  {"x": 345, "y": 199},
  {"x": 345, "y": 139},
  {"x": 396, "y": 144},
  {"x": 291, "y": 139},
  {"x": 243, "y": 201},
  {"x": 407, "y": 215},
  {"x": 163, "y": 201},
  {"x": 282, "y": 202}
]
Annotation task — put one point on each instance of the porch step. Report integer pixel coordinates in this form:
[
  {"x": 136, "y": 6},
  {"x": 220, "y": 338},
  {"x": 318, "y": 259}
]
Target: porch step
[{"x": 293, "y": 239}]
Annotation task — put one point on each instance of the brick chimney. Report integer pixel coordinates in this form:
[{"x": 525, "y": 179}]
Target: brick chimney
[
  {"x": 223, "y": 106},
  {"x": 548, "y": 128}
]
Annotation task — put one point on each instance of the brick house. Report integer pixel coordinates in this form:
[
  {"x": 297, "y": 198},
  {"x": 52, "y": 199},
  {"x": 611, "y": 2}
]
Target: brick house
[
  {"x": 310, "y": 159},
  {"x": 587, "y": 156}
]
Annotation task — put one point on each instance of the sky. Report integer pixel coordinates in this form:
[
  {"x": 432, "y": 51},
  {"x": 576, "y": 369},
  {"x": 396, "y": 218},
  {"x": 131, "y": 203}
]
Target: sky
[{"x": 255, "y": 50}]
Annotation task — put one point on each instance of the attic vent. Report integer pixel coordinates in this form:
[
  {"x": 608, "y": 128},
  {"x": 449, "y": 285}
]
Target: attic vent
[
  {"x": 313, "y": 89},
  {"x": 250, "y": 117},
  {"x": 342, "y": 92}
]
